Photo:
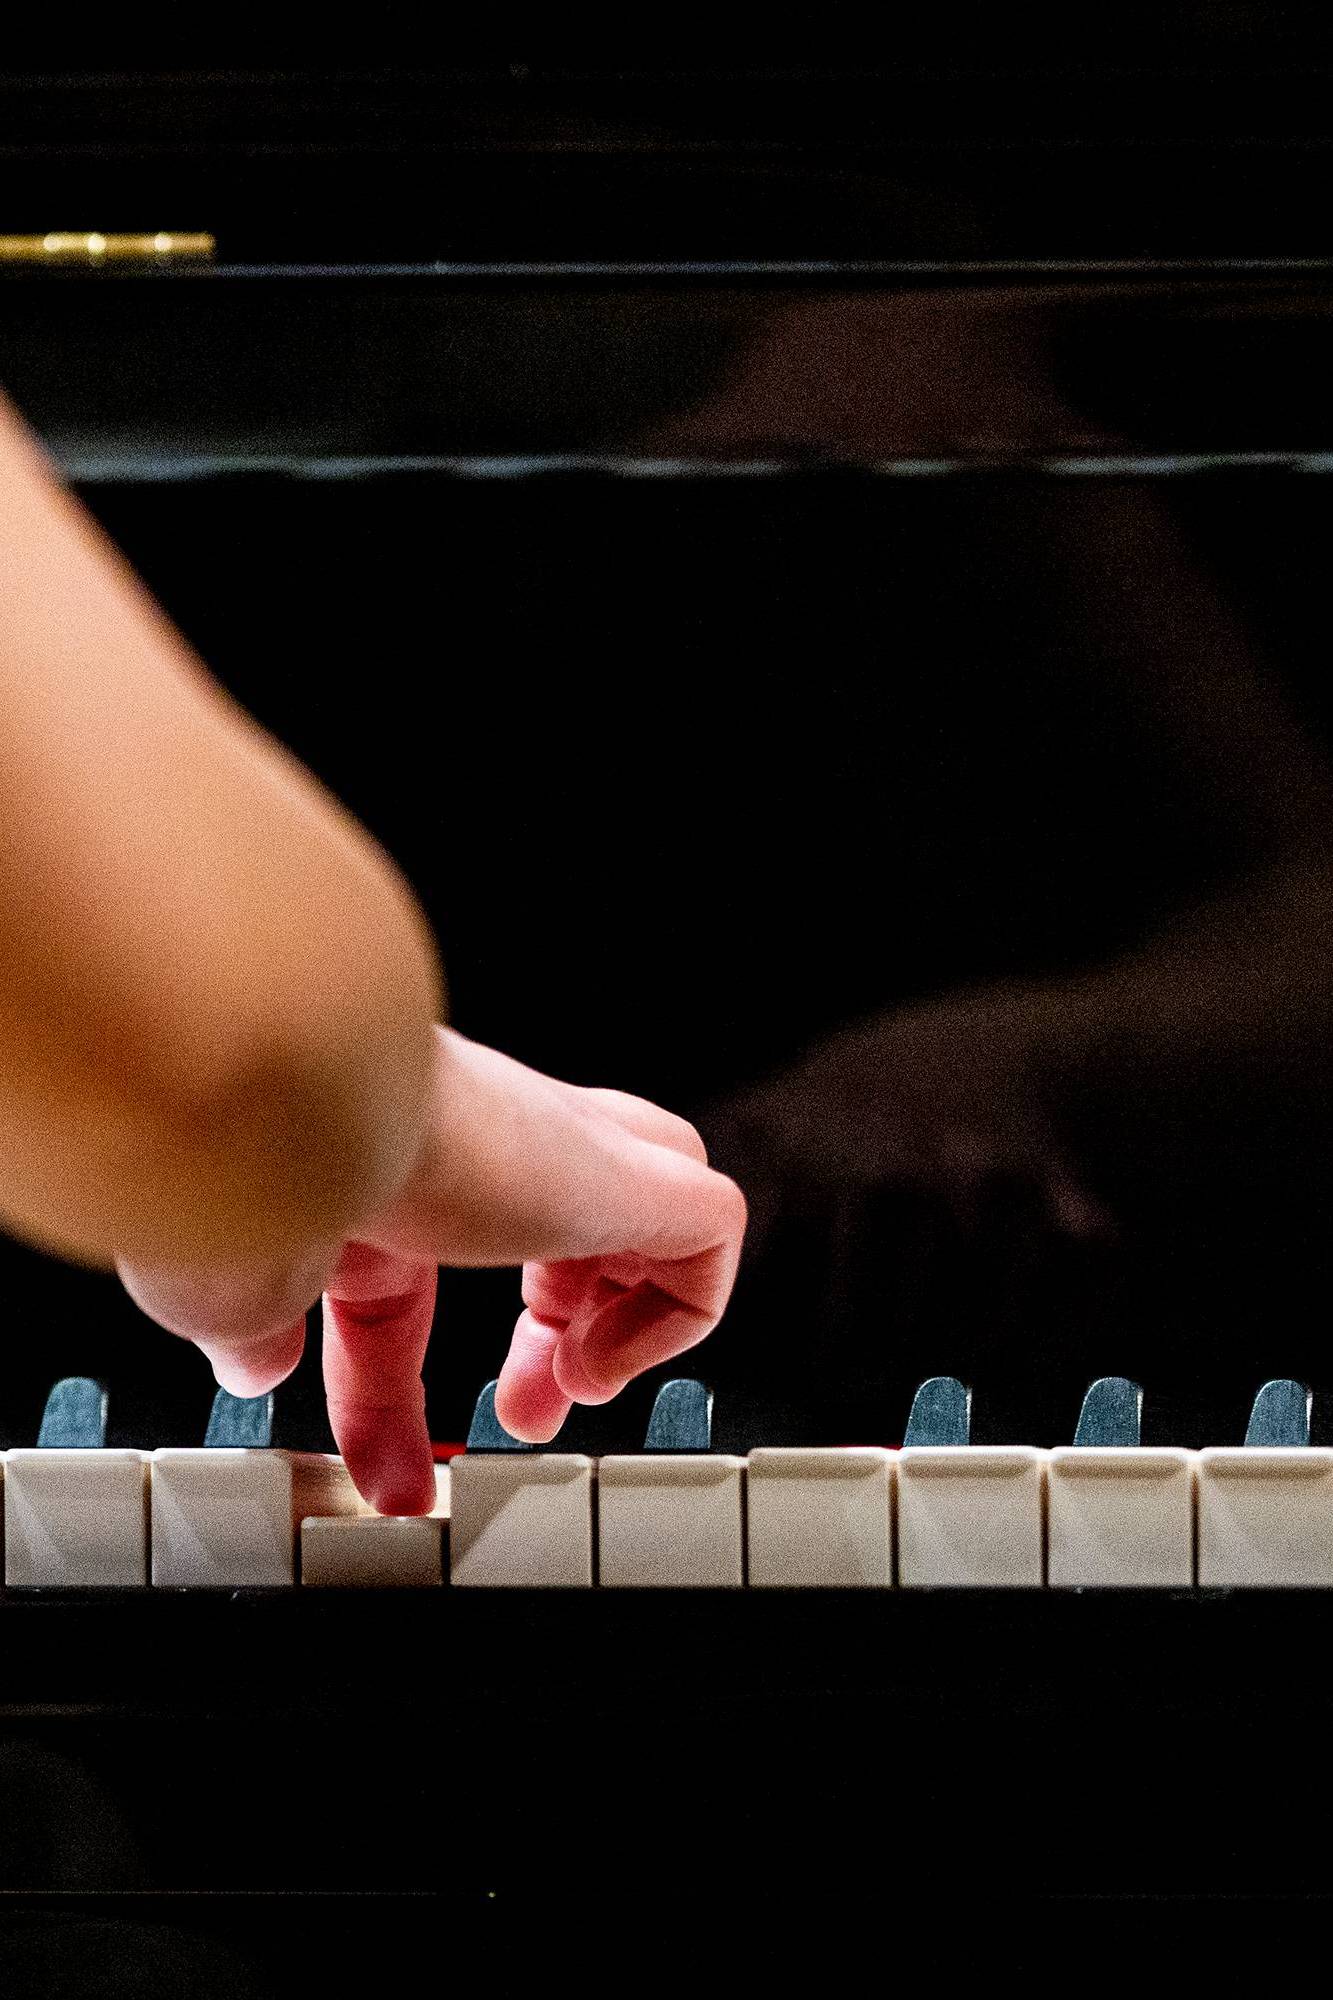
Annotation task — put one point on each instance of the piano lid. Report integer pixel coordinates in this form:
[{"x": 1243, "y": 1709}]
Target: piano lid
[
  {"x": 1204, "y": 134},
  {"x": 1118, "y": 256}
]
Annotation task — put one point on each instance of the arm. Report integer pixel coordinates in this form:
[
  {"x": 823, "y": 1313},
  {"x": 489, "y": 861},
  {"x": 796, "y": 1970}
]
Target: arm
[
  {"x": 219, "y": 1064},
  {"x": 218, "y": 993}
]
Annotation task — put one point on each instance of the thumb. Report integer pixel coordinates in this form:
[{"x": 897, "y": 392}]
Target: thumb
[{"x": 248, "y": 1319}]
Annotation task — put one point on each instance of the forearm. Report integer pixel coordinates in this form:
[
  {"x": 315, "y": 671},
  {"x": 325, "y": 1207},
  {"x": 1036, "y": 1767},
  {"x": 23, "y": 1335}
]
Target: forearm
[{"x": 216, "y": 1014}]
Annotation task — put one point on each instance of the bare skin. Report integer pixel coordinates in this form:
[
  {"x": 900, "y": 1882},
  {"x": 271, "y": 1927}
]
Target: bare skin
[
  {"x": 180, "y": 1099},
  {"x": 629, "y": 1245}
]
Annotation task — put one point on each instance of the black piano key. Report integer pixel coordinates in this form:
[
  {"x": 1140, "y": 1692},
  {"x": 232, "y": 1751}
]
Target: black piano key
[
  {"x": 1281, "y": 1415},
  {"x": 682, "y": 1418},
  {"x": 239, "y": 1422},
  {"x": 941, "y": 1413},
  {"x": 75, "y": 1416},
  {"x": 1111, "y": 1413},
  {"x": 486, "y": 1432}
]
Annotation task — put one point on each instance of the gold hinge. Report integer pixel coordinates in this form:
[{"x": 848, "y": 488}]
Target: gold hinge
[{"x": 64, "y": 246}]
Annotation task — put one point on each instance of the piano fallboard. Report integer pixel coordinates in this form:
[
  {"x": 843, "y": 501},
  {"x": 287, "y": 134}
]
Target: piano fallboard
[
  {"x": 1006, "y": 1748},
  {"x": 99, "y": 1652}
]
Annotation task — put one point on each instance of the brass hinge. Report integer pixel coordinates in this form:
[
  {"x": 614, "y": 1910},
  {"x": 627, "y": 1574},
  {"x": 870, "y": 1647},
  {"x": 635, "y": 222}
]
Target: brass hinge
[{"x": 65, "y": 246}]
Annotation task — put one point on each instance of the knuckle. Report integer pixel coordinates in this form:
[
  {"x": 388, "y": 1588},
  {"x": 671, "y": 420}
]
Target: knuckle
[
  {"x": 652, "y": 1121},
  {"x": 370, "y": 1316},
  {"x": 691, "y": 1139}
]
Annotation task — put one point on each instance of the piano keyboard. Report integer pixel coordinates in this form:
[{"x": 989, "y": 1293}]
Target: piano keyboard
[{"x": 936, "y": 1513}]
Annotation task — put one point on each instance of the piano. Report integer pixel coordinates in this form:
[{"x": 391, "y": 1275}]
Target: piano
[{"x": 532, "y": 448}]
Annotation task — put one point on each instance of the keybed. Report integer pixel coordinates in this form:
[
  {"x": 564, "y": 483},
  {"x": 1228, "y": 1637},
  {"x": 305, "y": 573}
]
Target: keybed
[
  {"x": 937, "y": 1513},
  {"x": 221, "y": 1518}
]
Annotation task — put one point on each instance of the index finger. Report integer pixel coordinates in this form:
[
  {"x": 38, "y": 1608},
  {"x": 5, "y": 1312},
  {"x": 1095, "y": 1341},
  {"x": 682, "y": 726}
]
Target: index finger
[
  {"x": 378, "y": 1310},
  {"x": 646, "y": 1120}
]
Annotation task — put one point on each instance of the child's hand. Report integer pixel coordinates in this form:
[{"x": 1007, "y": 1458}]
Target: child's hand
[{"x": 629, "y": 1245}]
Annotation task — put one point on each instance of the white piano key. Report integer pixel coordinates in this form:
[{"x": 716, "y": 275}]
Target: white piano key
[
  {"x": 970, "y": 1516},
  {"x": 329, "y": 1515},
  {"x": 667, "y": 1520},
  {"x": 322, "y": 1485},
  {"x": 1120, "y": 1516},
  {"x": 379, "y": 1551},
  {"x": 820, "y": 1518},
  {"x": 76, "y": 1519},
  {"x": 521, "y": 1520},
  {"x": 1266, "y": 1516},
  {"x": 221, "y": 1519}
]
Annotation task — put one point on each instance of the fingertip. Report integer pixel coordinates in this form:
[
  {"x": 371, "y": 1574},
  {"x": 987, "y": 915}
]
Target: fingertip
[
  {"x": 532, "y": 1411},
  {"x": 388, "y": 1456},
  {"x": 529, "y": 1402},
  {"x": 259, "y": 1367},
  {"x": 578, "y": 1382},
  {"x": 530, "y": 1430},
  {"x": 399, "y": 1489}
]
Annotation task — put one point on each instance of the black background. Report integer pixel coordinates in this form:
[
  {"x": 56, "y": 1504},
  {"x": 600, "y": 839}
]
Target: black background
[{"x": 687, "y": 773}]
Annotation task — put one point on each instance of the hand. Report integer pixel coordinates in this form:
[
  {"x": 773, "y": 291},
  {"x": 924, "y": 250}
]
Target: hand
[{"x": 629, "y": 1245}]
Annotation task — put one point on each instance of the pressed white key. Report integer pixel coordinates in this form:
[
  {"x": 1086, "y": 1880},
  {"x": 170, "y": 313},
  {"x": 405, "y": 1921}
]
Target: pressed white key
[
  {"x": 521, "y": 1520},
  {"x": 1120, "y": 1516},
  {"x": 322, "y": 1485},
  {"x": 820, "y": 1518},
  {"x": 1266, "y": 1516},
  {"x": 346, "y": 1544},
  {"x": 221, "y": 1519},
  {"x": 667, "y": 1520},
  {"x": 970, "y": 1516},
  {"x": 371, "y": 1552},
  {"x": 75, "y": 1520}
]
